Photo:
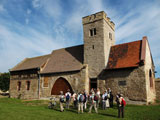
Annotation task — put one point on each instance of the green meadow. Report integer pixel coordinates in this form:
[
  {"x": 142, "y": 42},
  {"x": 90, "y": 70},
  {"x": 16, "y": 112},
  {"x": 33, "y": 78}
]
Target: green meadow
[{"x": 15, "y": 109}]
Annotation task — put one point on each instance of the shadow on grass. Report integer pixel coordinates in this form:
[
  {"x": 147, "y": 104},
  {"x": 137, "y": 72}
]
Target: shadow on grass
[
  {"x": 109, "y": 115},
  {"x": 71, "y": 110}
]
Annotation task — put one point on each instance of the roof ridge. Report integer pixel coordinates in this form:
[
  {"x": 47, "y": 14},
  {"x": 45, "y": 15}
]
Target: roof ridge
[
  {"x": 126, "y": 43},
  {"x": 39, "y": 56},
  {"x": 67, "y": 47}
]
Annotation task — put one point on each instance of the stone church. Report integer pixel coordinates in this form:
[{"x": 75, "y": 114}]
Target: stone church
[{"x": 127, "y": 68}]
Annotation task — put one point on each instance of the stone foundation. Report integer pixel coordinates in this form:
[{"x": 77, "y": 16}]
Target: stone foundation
[{"x": 157, "y": 85}]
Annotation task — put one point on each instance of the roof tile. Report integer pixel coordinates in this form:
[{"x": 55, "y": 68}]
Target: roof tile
[{"x": 125, "y": 55}]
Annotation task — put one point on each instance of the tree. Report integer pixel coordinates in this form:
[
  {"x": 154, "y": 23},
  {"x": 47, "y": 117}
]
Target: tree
[{"x": 4, "y": 81}]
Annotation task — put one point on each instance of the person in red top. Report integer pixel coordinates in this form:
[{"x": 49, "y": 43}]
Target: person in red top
[{"x": 121, "y": 106}]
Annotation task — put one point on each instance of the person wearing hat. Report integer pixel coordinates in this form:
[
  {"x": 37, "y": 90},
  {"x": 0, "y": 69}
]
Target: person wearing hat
[{"x": 61, "y": 101}]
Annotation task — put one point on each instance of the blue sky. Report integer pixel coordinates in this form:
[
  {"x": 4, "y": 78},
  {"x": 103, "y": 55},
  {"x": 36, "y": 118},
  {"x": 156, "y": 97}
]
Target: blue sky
[{"x": 31, "y": 28}]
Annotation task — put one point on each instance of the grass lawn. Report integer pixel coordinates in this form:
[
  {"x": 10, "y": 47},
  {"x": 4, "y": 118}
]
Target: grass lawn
[{"x": 14, "y": 109}]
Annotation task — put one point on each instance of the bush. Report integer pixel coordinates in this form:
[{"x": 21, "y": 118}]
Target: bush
[{"x": 4, "y": 82}]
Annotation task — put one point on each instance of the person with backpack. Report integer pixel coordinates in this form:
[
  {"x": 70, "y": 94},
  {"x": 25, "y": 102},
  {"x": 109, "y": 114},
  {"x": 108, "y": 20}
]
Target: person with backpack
[
  {"x": 80, "y": 102},
  {"x": 61, "y": 101},
  {"x": 85, "y": 99},
  {"x": 111, "y": 99},
  {"x": 121, "y": 106},
  {"x": 93, "y": 102},
  {"x": 68, "y": 97},
  {"x": 103, "y": 101}
]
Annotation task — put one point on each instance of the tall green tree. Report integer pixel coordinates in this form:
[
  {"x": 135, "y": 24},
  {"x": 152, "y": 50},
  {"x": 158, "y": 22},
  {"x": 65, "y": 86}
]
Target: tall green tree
[{"x": 4, "y": 81}]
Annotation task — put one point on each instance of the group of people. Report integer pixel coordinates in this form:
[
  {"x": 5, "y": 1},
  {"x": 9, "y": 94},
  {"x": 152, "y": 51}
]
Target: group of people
[{"x": 94, "y": 98}]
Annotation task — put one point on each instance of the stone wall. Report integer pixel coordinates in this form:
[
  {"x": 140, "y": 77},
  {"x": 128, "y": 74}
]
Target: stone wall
[
  {"x": 97, "y": 47},
  {"x": 130, "y": 82},
  {"x": 157, "y": 85},
  {"x": 23, "y": 77},
  {"x": 78, "y": 80},
  {"x": 23, "y": 93}
]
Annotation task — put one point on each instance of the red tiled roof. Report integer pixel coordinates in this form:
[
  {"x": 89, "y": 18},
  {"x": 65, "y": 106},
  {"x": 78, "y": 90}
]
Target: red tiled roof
[{"x": 125, "y": 55}]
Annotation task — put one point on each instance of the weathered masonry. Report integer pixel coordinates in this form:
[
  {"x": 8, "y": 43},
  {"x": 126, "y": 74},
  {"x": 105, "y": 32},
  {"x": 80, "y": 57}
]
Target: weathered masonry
[{"x": 98, "y": 63}]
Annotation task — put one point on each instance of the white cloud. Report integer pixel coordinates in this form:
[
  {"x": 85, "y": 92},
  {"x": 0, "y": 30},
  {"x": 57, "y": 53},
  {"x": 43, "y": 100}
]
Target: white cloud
[
  {"x": 51, "y": 7},
  {"x": 27, "y": 20},
  {"x": 16, "y": 46},
  {"x": 138, "y": 21},
  {"x": 1, "y": 8},
  {"x": 80, "y": 9},
  {"x": 36, "y": 3},
  {"x": 29, "y": 11}
]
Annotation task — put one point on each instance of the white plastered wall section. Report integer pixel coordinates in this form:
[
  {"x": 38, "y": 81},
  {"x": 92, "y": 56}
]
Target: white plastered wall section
[{"x": 149, "y": 66}]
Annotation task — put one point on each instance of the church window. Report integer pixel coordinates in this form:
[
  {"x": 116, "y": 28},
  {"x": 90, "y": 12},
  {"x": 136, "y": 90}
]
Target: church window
[
  {"x": 150, "y": 78},
  {"x": 28, "y": 85},
  {"x": 19, "y": 86},
  {"x": 92, "y": 46},
  {"x": 110, "y": 36},
  {"x": 122, "y": 83},
  {"x": 45, "y": 82},
  {"x": 93, "y": 32}
]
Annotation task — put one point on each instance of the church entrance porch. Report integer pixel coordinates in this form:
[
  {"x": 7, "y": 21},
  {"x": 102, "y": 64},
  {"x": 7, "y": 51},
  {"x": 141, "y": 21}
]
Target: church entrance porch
[{"x": 61, "y": 84}]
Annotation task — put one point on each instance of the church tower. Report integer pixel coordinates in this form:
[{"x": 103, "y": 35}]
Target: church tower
[{"x": 99, "y": 36}]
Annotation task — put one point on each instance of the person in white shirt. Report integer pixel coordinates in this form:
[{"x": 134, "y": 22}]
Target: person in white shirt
[
  {"x": 99, "y": 96},
  {"x": 107, "y": 99},
  {"x": 61, "y": 101},
  {"x": 93, "y": 102},
  {"x": 68, "y": 98},
  {"x": 74, "y": 96},
  {"x": 80, "y": 99},
  {"x": 103, "y": 101}
]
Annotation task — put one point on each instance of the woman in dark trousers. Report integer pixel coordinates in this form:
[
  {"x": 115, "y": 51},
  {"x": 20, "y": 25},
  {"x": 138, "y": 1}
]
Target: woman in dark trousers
[
  {"x": 121, "y": 107},
  {"x": 111, "y": 100}
]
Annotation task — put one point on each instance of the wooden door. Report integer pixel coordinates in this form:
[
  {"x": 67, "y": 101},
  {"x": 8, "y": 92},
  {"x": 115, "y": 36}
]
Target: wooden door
[{"x": 61, "y": 85}]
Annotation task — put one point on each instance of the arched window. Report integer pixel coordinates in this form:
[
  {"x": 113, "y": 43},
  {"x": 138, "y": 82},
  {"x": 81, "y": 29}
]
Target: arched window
[
  {"x": 150, "y": 78},
  {"x": 19, "y": 86},
  {"x": 28, "y": 85}
]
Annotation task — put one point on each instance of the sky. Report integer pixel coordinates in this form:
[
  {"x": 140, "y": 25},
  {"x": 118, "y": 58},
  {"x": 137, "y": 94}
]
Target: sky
[{"x": 30, "y": 28}]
